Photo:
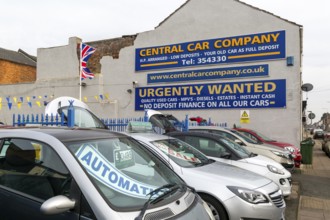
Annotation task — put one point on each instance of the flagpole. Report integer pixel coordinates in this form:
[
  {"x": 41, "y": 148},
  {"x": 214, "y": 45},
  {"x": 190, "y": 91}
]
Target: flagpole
[{"x": 80, "y": 70}]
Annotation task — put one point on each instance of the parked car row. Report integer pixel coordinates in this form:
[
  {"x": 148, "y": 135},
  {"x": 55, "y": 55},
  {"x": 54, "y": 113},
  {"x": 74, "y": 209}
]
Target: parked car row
[
  {"x": 80, "y": 173},
  {"x": 280, "y": 154},
  {"x": 261, "y": 138},
  {"x": 223, "y": 185},
  {"x": 326, "y": 143}
]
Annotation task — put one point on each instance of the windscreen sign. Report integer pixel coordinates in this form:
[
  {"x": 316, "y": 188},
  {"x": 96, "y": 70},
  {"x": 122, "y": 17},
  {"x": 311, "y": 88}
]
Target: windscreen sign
[
  {"x": 249, "y": 94},
  {"x": 108, "y": 174},
  {"x": 254, "y": 47}
]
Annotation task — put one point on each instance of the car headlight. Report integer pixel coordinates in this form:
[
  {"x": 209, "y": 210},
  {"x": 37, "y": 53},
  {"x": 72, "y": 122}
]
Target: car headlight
[
  {"x": 273, "y": 169},
  {"x": 280, "y": 154},
  {"x": 248, "y": 195},
  {"x": 290, "y": 149},
  {"x": 208, "y": 210}
]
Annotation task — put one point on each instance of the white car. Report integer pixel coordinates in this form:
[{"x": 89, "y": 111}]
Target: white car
[
  {"x": 224, "y": 150},
  {"x": 231, "y": 192}
]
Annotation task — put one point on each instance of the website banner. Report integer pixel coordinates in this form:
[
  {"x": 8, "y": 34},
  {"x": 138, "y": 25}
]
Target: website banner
[{"x": 209, "y": 74}]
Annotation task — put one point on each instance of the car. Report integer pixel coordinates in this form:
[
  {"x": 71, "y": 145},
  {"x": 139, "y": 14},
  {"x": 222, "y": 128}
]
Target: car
[
  {"x": 258, "y": 136},
  {"x": 59, "y": 107},
  {"x": 325, "y": 140},
  {"x": 226, "y": 188},
  {"x": 276, "y": 153},
  {"x": 318, "y": 134},
  {"x": 75, "y": 173},
  {"x": 224, "y": 150},
  {"x": 326, "y": 144}
]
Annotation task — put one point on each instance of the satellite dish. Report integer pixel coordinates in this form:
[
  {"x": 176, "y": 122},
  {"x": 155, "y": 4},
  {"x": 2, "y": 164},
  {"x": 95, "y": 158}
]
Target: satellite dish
[{"x": 306, "y": 87}]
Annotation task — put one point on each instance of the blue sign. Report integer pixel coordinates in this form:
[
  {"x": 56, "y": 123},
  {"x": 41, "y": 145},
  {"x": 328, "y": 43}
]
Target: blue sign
[
  {"x": 262, "y": 46},
  {"x": 249, "y": 94},
  {"x": 209, "y": 74}
]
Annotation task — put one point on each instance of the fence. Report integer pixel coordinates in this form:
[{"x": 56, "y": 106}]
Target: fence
[
  {"x": 43, "y": 120},
  {"x": 114, "y": 124}
]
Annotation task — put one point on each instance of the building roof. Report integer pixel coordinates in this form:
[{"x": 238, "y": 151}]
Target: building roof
[
  {"x": 233, "y": 0},
  {"x": 19, "y": 57}
]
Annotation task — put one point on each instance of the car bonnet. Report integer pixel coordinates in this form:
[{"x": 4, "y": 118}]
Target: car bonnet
[
  {"x": 264, "y": 161},
  {"x": 228, "y": 175},
  {"x": 217, "y": 171}
]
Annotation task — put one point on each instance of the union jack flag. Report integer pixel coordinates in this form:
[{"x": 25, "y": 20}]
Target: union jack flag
[{"x": 85, "y": 53}]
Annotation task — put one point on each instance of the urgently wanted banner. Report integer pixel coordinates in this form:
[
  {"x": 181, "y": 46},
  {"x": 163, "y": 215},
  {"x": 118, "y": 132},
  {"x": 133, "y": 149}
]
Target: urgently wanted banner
[{"x": 248, "y": 94}]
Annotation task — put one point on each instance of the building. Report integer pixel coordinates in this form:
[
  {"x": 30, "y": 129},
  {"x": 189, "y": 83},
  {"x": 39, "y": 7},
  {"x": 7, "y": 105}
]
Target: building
[
  {"x": 219, "y": 59},
  {"x": 17, "y": 67}
]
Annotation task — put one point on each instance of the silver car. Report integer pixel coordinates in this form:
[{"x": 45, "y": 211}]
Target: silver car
[
  {"x": 224, "y": 150},
  {"x": 231, "y": 192},
  {"x": 57, "y": 173}
]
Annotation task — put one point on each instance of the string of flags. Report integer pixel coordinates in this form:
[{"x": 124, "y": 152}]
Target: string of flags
[{"x": 41, "y": 101}]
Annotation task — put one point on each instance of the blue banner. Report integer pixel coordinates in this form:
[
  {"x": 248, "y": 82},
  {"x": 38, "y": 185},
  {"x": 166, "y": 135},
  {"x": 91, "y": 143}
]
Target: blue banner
[
  {"x": 249, "y": 94},
  {"x": 209, "y": 74},
  {"x": 262, "y": 46}
]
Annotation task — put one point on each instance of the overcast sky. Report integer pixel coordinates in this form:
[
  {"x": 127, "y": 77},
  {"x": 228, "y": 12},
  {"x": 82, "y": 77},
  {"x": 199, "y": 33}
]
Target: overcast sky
[{"x": 33, "y": 24}]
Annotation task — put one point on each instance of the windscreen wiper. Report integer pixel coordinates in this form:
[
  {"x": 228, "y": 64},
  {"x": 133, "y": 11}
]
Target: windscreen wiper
[{"x": 168, "y": 190}]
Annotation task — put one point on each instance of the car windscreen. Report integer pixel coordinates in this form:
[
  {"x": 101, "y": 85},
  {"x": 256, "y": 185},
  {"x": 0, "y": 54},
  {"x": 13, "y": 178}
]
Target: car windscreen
[
  {"x": 123, "y": 170},
  {"x": 246, "y": 138},
  {"x": 243, "y": 152},
  {"x": 161, "y": 121},
  {"x": 181, "y": 153},
  {"x": 83, "y": 118},
  {"x": 264, "y": 137}
]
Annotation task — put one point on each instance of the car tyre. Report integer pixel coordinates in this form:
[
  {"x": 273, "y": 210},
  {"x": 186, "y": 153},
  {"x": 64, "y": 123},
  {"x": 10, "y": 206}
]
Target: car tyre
[{"x": 217, "y": 209}]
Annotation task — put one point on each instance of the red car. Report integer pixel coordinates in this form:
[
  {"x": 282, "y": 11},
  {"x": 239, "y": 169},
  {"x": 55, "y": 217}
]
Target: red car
[{"x": 295, "y": 151}]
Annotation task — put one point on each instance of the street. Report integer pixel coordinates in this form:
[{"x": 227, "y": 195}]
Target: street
[{"x": 310, "y": 198}]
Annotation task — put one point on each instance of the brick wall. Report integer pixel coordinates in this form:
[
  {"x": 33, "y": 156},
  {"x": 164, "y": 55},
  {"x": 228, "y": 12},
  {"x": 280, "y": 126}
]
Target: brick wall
[
  {"x": 109, "y": 47},
  {"x": 12, "y": 73}
]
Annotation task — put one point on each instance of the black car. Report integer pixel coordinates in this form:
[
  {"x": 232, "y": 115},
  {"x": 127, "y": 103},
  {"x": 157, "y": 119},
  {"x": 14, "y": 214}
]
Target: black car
[{"x": 213, "y": 145}]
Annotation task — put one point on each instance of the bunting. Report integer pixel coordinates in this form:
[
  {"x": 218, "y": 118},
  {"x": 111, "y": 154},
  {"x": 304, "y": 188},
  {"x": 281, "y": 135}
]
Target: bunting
[{"x": 21, "y": 102}]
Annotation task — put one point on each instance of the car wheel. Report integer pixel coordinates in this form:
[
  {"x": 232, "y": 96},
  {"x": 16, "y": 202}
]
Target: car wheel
[{"x": 217, "y": 209}]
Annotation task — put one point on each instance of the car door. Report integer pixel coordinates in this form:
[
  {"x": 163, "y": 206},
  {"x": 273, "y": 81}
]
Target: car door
[{"x": 30, "y": 173}]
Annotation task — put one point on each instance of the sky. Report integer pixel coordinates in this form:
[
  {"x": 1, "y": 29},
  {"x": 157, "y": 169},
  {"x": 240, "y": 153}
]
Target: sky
[{"x": 29, "y": 25}]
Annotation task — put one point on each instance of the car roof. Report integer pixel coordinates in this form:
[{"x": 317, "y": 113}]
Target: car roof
[
  {"x": 198, "y": 133},
  {"x": 66, "y": 134},
  {"x": 148, "y": 136},
  {"x": 208, "y": 127}
]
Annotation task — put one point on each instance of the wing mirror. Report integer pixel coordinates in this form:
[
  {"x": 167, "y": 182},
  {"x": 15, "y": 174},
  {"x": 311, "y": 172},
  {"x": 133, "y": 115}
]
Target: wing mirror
[
  {"x": 57, "y": 205},
  {"x": 225, "y": 155},
  {"x": 239, "y": 142}
]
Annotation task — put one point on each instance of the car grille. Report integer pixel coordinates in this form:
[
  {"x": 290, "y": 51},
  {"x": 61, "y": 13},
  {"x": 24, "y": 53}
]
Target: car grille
[{"x": 277, "y": 199}]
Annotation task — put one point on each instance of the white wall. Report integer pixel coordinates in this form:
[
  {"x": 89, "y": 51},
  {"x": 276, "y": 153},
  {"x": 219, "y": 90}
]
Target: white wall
[
  {"x": 58, "y": 67},
  {"x": 209, "y": 19}
]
